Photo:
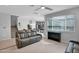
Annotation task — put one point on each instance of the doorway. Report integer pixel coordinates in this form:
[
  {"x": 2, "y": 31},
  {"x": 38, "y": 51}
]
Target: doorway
[{"x": 13, "y": 26}]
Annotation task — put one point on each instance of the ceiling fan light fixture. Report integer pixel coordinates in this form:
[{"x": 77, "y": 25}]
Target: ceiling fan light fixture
[{"x": 42, "y": 7}]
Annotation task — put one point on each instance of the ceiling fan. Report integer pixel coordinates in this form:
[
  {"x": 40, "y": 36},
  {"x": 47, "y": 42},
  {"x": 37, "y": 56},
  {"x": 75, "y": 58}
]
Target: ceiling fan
[
  {"x": 44, "y": 7},
  {"x": 40, "y": 7}
]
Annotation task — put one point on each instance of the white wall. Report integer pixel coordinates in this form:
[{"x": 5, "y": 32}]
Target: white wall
[
  {"x": 66, "y": 36},
  {"x": 5, "y": 26},
  {"x": 24, "y": 20}
]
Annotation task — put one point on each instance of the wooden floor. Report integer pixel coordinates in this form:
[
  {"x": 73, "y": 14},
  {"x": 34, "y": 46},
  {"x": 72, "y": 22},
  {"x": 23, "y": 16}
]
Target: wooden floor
[
  {"x": 6, "y": 44},
  {"x": 9, "y": 45}
]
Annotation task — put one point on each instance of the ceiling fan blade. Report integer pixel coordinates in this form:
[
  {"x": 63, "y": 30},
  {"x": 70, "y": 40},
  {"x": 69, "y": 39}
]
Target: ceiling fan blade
[
  {"x": 37, "y": 9},
  {"x": 31, "y": 5},
  {"x": 35, "y": 13},
  {"x": 48, "y": 8},
  {"x": 45, "y": 8}
]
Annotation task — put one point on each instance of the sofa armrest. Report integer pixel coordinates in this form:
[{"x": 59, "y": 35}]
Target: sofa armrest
[
  {"x": 76, "y": 42},
  {"x": 69, "y": 48},
  {"x": 72, "y": 47},
  {"x": 39, "y": 35},
  {"x": 18, "y": 43}
]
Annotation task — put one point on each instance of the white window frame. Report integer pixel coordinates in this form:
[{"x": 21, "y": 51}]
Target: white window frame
[{"x": 65, "y": 21}]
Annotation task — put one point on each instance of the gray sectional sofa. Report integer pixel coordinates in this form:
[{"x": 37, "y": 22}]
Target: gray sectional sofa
[{"x": 24, "y": 38}]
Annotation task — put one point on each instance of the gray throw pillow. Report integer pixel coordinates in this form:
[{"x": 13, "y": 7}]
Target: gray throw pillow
[
  {"x": 22, "y": 35},
  {"x": 34, "y": 33},
  {"x": 26, "y": 35},
  {"x": 29, "y": 34}
]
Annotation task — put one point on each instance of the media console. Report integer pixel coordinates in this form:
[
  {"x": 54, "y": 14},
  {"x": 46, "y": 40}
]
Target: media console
[{"x": 54, "y": 36}]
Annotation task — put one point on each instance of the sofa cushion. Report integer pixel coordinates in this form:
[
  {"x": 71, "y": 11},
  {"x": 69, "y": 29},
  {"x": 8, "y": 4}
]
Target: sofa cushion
[
  {"x": 33, "y": 33},
  {"x": 25, "y": 39},
  {"x": 25, "y": 42},
  {"x": 69, "y": 48},
  {"x": 26, "y": 35},
  {"x": 23, "y": 35},
  {"x": 73, "y": 47},
  {"x": 34, "y": 39},
  {"x": 29, "y": 34},
  {"x": 76, "y": 48}
]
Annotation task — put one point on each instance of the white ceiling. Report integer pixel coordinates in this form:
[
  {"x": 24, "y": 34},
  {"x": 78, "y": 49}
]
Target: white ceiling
[{"x": 23, "y": 10}]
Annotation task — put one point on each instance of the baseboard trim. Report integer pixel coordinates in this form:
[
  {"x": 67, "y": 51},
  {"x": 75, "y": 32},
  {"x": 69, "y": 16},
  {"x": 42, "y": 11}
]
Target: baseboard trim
[{"x": 7, "y": 47}]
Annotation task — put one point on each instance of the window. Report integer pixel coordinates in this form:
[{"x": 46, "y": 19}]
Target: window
[
  {"x": 70, "y": 23},
  {"x": 61, "y": 23}
]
